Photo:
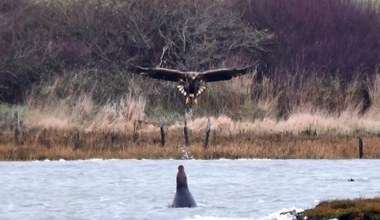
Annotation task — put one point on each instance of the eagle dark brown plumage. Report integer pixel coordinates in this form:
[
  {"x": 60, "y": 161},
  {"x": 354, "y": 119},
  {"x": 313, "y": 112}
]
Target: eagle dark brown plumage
[{"x": 191, "y": 83}]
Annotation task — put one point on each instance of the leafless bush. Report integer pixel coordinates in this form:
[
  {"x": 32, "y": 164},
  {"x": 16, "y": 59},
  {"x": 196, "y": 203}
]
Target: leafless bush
[{"x": 335, "y": 36}]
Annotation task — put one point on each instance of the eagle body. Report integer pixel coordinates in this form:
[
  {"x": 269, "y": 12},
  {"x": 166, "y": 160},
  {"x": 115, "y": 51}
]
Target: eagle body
[{"x": 191, "y": 84}]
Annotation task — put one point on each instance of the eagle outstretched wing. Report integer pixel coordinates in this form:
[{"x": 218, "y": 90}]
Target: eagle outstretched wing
[
  {"x": 161, "y": 73},
  {"x": 223, "y": 74},
  {"x": 191, "y": 83}
]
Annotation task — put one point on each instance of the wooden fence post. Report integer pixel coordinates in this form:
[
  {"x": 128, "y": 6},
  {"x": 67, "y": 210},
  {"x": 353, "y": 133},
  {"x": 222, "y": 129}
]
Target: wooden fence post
[
  {"x": 361, "y": 148},
  {"x": 135, "y": 135},
  {"x": 17, "y": 127},
  {"x": 186, "y": 131},
  {"x": 208, "y": 129},
  {"x": 76, "y": 139},
  {"x": 162, "y": 133}
]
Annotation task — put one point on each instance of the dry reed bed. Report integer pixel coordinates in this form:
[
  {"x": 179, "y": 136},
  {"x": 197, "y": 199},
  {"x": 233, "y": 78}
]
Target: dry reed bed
[{"x": 43, "y": 143}]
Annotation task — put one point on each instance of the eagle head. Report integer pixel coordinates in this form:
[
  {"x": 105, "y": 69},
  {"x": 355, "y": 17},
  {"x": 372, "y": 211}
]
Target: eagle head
[{"x": 193, "y": 75}]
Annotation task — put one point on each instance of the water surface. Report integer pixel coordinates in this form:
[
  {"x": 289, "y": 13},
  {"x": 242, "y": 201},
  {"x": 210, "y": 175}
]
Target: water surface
[{"x": 144, "y": 189}]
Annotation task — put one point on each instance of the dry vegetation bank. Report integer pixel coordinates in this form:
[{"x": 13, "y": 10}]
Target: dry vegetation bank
[
  {"x": 114, "y": 136},
  {"x": 73, "y": 144},
  {"x": 345, "y": 209}
]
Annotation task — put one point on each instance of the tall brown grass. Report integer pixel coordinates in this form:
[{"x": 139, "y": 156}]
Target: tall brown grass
[
  {"x": 258, "y": 116},
  {"x": 79, "y": 128},
  {"x": 122, "y": 130},
  {"x": 236, "y": 111}
]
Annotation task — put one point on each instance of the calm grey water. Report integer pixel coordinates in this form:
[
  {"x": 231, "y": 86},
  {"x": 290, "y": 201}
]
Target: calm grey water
[{"x": 144, "y": 189}]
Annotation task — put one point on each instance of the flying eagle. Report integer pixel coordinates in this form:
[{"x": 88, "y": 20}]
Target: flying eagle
[{"x": 191, "y": 83}]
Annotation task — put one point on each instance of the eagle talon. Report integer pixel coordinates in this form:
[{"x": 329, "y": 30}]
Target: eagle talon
[
  {"x": 195, "y": 101},
  {"x": 187, "y": 101}
]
